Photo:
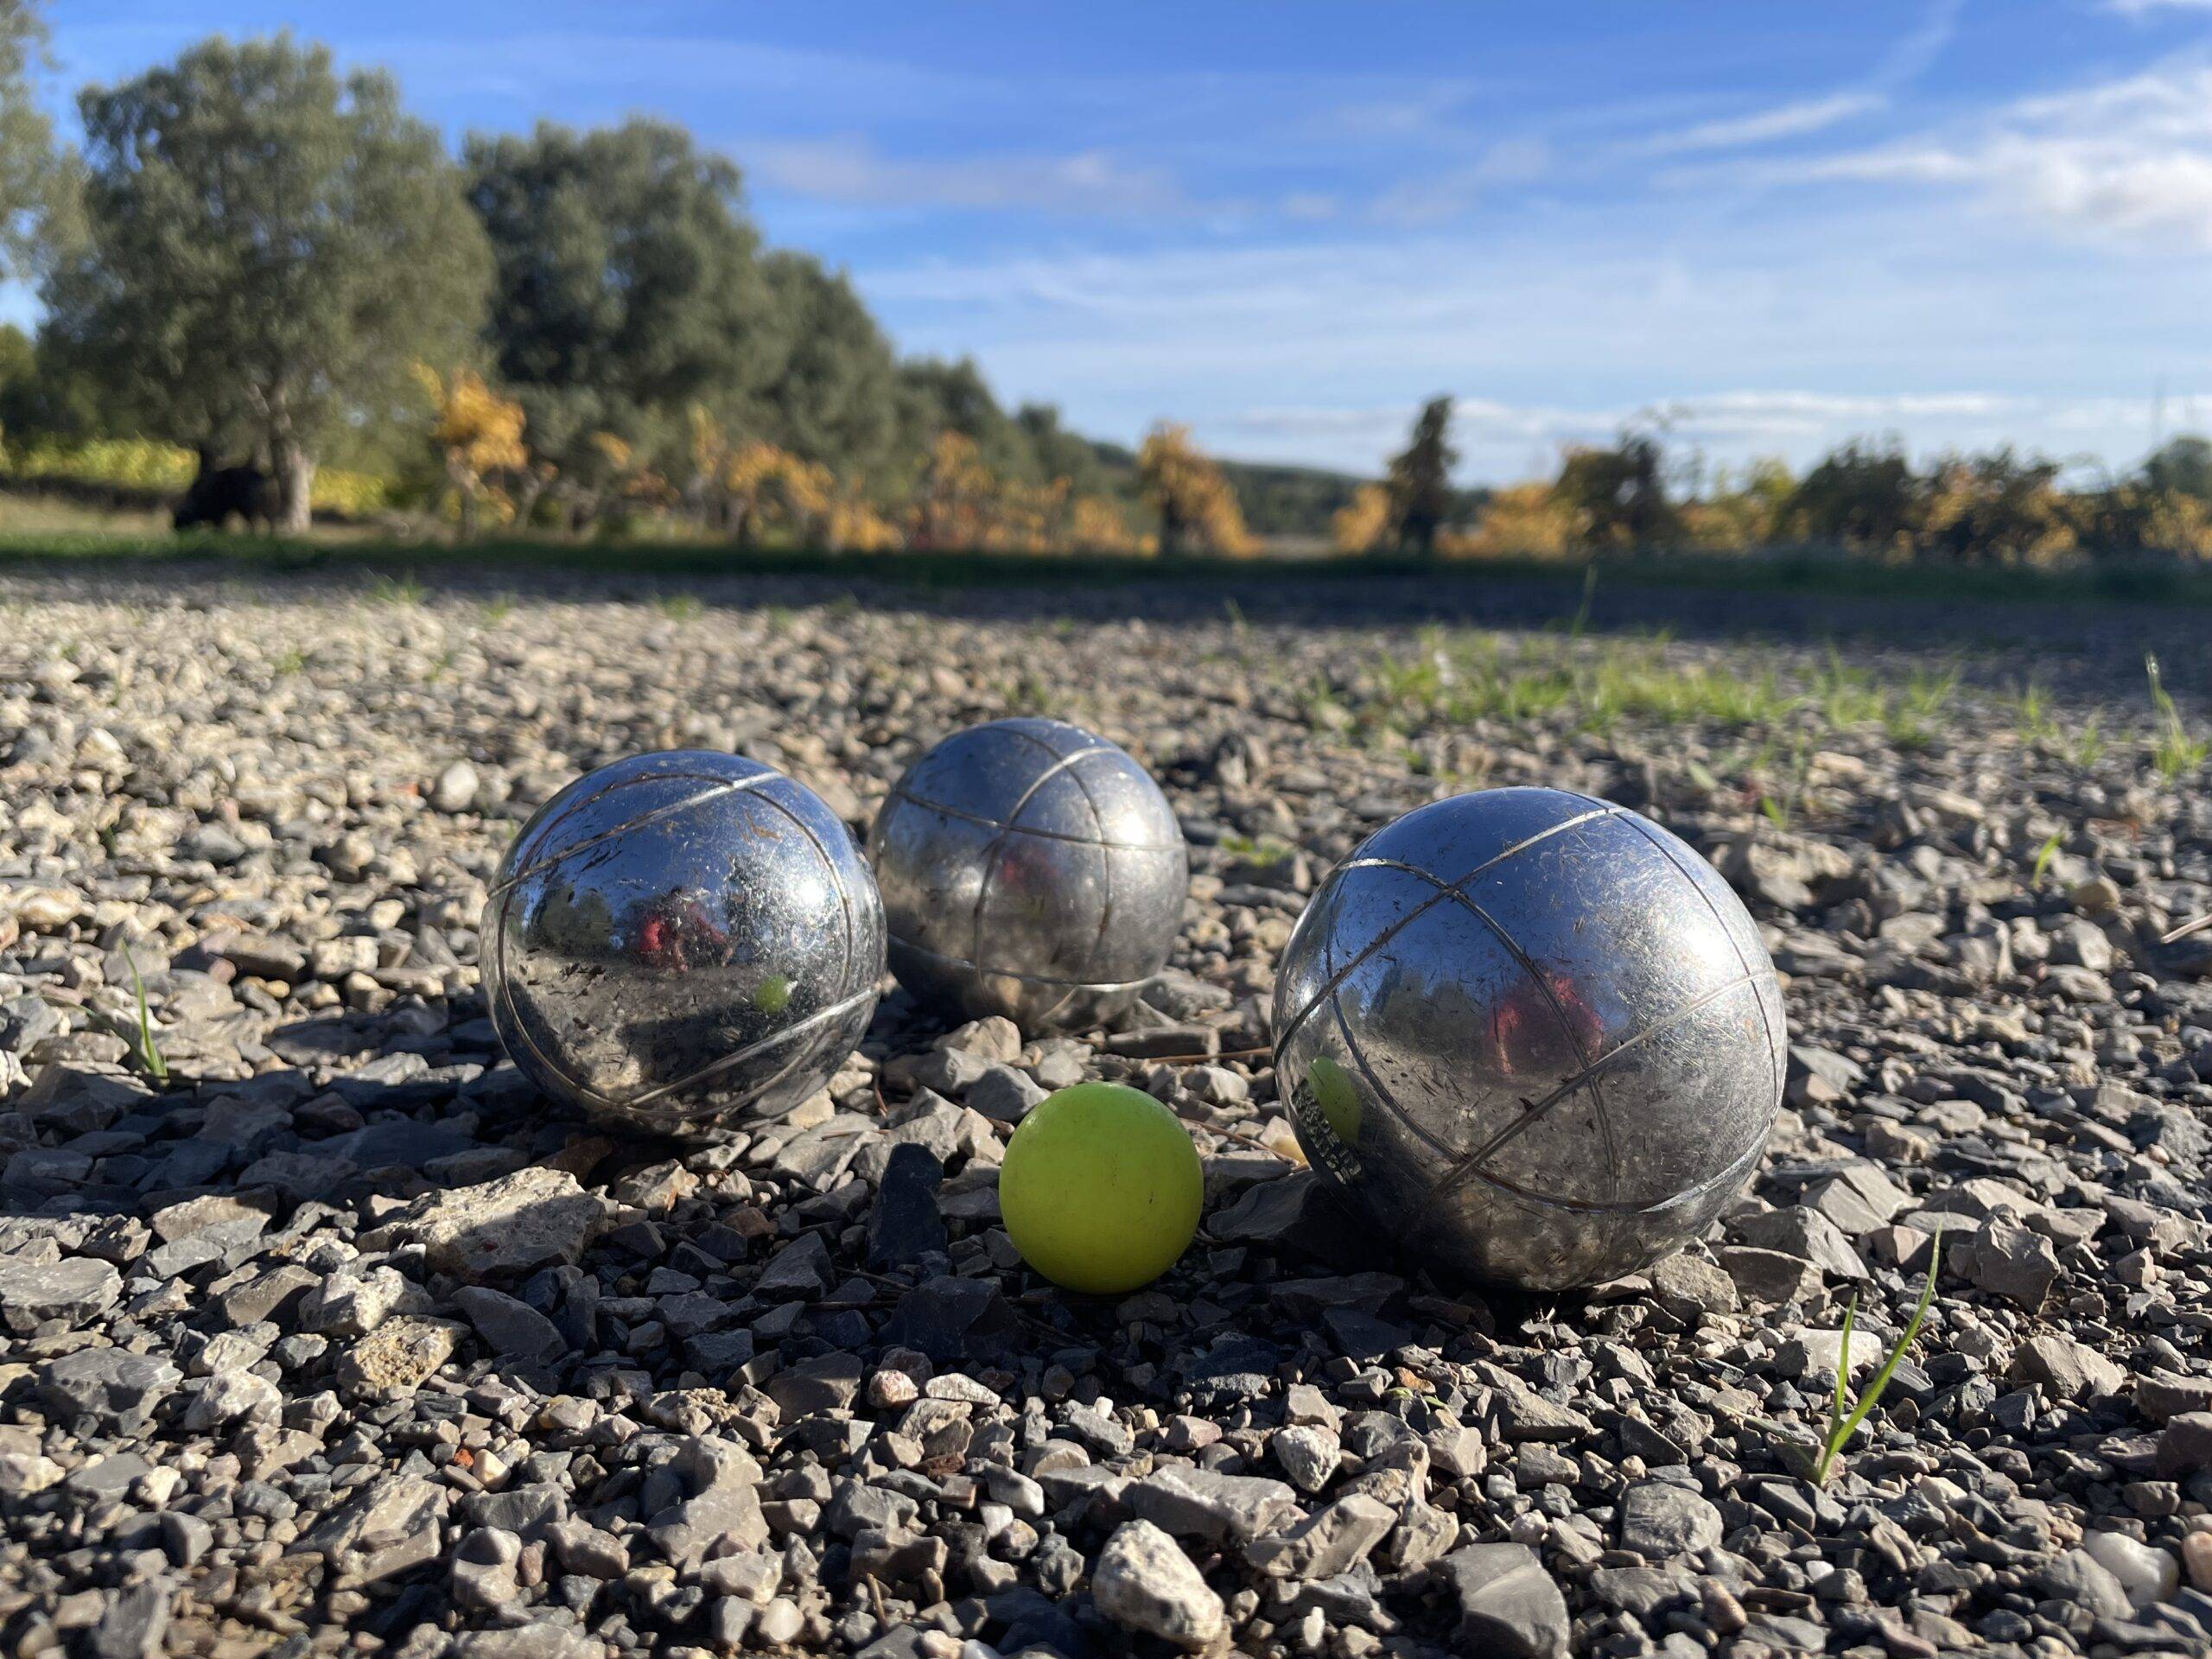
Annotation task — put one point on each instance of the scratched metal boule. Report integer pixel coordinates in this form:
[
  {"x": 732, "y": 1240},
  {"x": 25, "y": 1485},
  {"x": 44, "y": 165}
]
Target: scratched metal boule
[
  {"x": 683, "y": 941},
  {"x": 1029, "y": 868},
  {"x": 1534, "y": 1035}
]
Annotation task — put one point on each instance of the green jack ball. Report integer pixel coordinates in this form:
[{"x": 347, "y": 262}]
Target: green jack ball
[{"x": 1100, "y": 1188}]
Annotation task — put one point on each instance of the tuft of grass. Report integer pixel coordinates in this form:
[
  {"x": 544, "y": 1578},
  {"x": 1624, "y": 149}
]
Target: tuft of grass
[
  {"x": 1844, "y": 1418},
  {"x": 405, "y": 589},
  {"x": 498, "y": 607},
  {"x": 2089, "y": 746},
  {"x": 1453, "y": 680},
  {"x": 1781, "y": 809},
  {"x": 1847, "y": 696},
  {"x": 149, "y": 1051},
  {"x": 1264, "y": 854},
  {"x": 2178, "y": 751},
  {"x": 2044, "y": 853},
  {"x": 290, "y": 663},
  {"x": 2038, "y": 724},
  {"x": 1913, "y": 721},
  {"x": 1027, "y": 694},
  {"x": 681, "y": 608}
]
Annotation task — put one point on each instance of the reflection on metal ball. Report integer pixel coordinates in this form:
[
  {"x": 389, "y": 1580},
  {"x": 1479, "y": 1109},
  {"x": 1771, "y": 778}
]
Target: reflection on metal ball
[
  {"x": 683, "y": 941},
  {"x": 1534, "y": 1036},
  {"x": 1029, "y": 869}
]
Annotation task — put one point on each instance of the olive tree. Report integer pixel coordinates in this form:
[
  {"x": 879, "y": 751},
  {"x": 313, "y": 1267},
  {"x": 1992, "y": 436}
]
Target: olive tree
[
  {"x": 34, "y": 177},
  {"x": 628, "y": 288},
  {"x": 268, "y": 248}
]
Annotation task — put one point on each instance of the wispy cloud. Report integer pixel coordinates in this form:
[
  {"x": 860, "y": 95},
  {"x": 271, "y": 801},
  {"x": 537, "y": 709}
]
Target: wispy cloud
[
  {"x": 1435, "y": 198},
  {"x": 853, "y": 172},
  {"x": 1765, "y": 126},
  {"x": 2126, "y": 160},
  {"x": 1908, "y": 58},
  {"x": 2141, "y": 7}
]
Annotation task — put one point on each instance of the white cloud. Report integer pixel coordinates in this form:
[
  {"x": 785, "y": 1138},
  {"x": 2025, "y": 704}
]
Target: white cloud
[
  {"x": 1765, "y": 126},
  {"x": 850, "y": 171},
  {"x": 2140, "y": 8},
  {"x": 1808, "y": 330},
  {"x": 2125, "y": 162}
]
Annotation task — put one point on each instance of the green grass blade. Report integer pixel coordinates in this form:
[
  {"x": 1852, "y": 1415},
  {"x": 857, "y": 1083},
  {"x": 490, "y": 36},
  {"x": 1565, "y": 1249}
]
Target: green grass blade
[
  {"x": 1843, "y": 1361},
  {"x": 1868, "y": 1400},
  {"x": 149, "y": 1052},
  {"x": 2044, "y": 853}
]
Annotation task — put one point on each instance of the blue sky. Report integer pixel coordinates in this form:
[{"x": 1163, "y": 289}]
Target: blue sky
[{"x": 1964, "y": 221}]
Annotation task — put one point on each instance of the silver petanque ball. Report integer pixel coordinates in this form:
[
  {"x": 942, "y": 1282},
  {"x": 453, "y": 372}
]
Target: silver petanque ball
[
  {"x": 683, "y": 941},
  {"x": 1030, "y": 869},
  {"x": 1534, "y": 1036}
]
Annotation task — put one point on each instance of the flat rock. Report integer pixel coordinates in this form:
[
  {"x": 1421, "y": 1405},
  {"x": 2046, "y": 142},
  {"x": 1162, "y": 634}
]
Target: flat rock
[
  {"x": 2065, "y": 1369},
  {"x": 107, "y": 1387},
  {"x": 723, "y": 1509},
  {"x": 1660, "y": 1520},
  {"x": 499, "y": 1229},
  {"x": 65, "y": 1295},
  {"x": 400, "y": 1354},
  {"x": 1330, "y": 1540},
  {"x": 1508, "y": 1605},
  {"x": 509, "y": 1328},
  {"x": 1193, "y": 1501}
]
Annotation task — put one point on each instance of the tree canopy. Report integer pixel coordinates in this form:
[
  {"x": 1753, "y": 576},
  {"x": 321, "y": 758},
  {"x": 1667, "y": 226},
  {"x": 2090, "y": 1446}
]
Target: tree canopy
[
  {"x": 1421, "y": 479},
  {"x": 33, "y": 178},
  {"x": 269, "y": 247},
  {"x": 834, "y": 398},
  {"x": 627, "y": 288}
]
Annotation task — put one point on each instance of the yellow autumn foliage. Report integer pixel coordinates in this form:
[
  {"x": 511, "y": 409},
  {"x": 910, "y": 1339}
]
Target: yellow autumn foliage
[
  {"x": 1358, "y": 527},
  {"x": 1195, "y": 501}
]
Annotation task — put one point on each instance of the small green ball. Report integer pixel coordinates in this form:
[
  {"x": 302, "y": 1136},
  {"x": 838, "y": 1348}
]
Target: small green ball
[{"x": 1100, "y": 1188}]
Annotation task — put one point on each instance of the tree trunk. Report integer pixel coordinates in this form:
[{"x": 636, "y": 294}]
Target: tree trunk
[
  {"x": 526, "y": 493},
  {"x": 294, "y": 485}
]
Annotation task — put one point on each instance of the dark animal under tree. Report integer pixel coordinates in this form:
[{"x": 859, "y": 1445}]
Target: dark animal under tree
[{"x": 219, "y": 494}]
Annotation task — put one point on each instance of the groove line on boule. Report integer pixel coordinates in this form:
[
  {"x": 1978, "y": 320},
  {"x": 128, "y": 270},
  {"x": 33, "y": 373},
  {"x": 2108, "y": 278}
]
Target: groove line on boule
[
  {"x": 1513, "y": 1129},
  {"x": 1414, "y": 915},
  {"x": 1466, "y": 1170},
  {"x": 903, "y": 799},
  {"x": 990, "y": 858},
  {"x": 830, "y": 866},
  {"x": 1776, "y": 1054},
  {"x": 723, "y": 787},
  {"x": 690, "y": 1080}
]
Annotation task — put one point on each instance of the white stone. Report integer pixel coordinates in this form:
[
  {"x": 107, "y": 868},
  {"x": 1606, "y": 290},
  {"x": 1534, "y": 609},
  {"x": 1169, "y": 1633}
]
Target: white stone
[{"x": 2146, "y": 1572}]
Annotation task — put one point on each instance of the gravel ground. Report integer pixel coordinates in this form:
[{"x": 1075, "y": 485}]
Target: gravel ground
[{"x": 794, "y": 1391}]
